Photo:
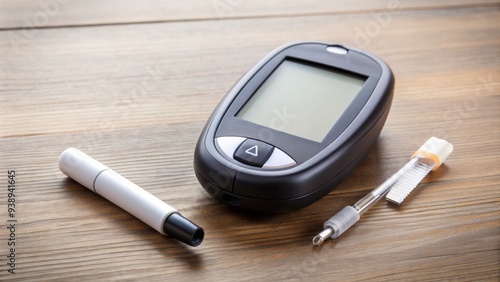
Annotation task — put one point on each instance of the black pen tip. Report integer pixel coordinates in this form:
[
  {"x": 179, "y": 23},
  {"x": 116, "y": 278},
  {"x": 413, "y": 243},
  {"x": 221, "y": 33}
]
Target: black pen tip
[{"x": 183, "y": 230}]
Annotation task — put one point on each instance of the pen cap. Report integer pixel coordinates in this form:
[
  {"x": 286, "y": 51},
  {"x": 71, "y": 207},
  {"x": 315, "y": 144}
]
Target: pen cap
[
  {"x": 79, "y": 166},
  {"x": 436, "y": 150}
]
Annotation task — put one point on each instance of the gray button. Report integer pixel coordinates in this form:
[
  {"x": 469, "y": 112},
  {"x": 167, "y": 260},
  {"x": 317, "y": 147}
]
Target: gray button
[
  {"x": 279, "y": 159},
  {"x": 229, "y": 144}
]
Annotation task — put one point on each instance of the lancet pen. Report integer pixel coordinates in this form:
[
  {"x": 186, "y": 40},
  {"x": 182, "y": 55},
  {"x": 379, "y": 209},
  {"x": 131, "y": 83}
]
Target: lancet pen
[{"x": 128, "y": 196}]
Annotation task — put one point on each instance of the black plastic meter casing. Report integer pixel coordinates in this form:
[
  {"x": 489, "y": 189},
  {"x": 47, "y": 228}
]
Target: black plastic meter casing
[{"x": 320, "y": 166}]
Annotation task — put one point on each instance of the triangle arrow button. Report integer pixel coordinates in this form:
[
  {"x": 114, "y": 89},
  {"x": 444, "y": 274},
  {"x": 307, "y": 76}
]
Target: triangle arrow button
[{"x": 254, "y": 151}]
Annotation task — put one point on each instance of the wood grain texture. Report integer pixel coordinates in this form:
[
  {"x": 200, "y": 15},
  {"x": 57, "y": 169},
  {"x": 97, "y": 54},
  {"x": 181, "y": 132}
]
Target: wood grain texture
[
  {"x": 56, "y": 13},
  {"x": 136, "y": 96}
]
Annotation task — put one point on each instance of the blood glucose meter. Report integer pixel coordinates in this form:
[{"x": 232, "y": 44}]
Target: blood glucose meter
[{"x": 293, "y": 127}]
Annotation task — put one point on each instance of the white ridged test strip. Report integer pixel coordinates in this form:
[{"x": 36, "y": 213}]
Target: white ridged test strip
[
  {"x": 409, "y": 181},
  {"x": 430, "y": 156}
]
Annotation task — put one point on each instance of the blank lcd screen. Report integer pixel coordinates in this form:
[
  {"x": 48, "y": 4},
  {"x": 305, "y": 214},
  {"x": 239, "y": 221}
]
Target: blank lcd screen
[{"x": 301, "y": 99}]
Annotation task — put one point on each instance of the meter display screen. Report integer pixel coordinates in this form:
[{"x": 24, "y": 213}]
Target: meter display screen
[{"x": 304, "y": 100}]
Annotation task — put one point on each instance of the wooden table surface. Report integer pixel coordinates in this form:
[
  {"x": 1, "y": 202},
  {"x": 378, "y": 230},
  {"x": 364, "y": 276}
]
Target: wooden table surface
[{"x": 132, "y": 83}]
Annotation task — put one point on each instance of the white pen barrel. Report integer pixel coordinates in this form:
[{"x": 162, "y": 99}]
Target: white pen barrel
[
  {"x": 80, "y": 167},
  {"x": 128, "y": 196},
  {"x": 115, "y": 188},
  {"x": 135, "y": 200}
]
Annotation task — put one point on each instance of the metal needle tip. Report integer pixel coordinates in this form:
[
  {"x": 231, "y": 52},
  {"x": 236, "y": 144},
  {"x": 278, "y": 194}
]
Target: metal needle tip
[{"x": 318, "y": 239}]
